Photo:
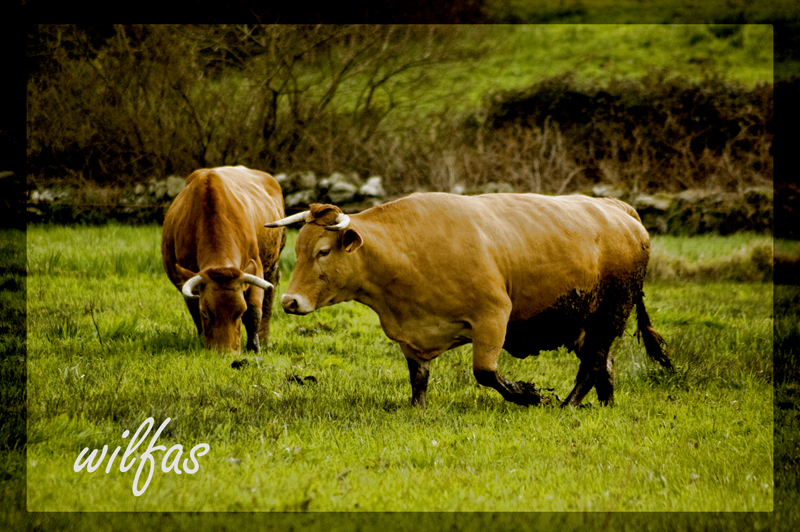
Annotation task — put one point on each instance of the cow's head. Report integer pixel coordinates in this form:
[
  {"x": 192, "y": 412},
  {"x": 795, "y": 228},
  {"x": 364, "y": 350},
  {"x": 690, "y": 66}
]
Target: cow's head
[
  {"x": 220, "y": 293},
  {"x": 326, "y": 269}
]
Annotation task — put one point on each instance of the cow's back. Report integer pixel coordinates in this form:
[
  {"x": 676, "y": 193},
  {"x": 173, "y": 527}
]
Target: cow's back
[
  {"x": 246, "y": 196},
  {"x": 563, "y": 243},
  {"x": 528, "y": 247},
  {"x": 220, "y": 214}
]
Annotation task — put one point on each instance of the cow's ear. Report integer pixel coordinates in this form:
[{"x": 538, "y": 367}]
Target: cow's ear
[
  {"x": 351, "y": 240},
  {"x": 183, "y": 272},
  {"x": 251, "y": 268}
]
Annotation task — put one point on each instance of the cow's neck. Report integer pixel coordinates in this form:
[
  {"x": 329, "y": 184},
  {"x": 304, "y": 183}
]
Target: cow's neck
[
  {"x": 381, "y": 275},
  {"x": 217, "y": 247}
]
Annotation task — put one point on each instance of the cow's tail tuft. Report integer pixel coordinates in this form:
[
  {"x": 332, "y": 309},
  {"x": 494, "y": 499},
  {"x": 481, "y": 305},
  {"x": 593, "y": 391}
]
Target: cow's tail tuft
[{"x": 653, "y": 343}]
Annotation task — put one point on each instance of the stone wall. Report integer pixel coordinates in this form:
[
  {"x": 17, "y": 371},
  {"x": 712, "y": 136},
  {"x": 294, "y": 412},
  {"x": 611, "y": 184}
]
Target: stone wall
[
  {"x": 689, "y": 212},
  {"x": 694, "y": 212}
]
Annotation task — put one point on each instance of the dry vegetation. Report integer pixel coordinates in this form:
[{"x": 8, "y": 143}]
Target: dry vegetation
[{"x": 122, "y": 104}]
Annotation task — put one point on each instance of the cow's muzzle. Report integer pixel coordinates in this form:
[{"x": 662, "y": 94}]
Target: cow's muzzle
[{"x": 295, "y": 304}]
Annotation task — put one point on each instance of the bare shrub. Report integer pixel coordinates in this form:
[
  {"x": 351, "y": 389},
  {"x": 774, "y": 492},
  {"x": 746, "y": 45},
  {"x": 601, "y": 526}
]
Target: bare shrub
[
  {"x": 122, "y": 105},
  {"x": 168, "y": 99}
]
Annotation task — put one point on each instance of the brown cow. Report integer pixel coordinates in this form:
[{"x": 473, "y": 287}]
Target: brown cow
[
  {"x": 217, "y": 252},
  {"x": 520, "y": 272}
]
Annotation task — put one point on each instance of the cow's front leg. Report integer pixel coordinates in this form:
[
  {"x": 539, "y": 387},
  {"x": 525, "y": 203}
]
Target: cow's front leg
[
  {"x": 194, "y": 309},
  {"x": 251, "y": 320},
  {"x": 418, "y": 371},
  {"x": 273, "y": 276},
  {"x": 487, "y": 342},
  {"x": 521, "y": 393}
]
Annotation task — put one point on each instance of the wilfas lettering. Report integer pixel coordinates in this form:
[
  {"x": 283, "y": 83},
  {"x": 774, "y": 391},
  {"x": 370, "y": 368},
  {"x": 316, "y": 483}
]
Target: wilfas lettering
[
  {"x": 524, "y": 272},
  {"x": 170, "y": 462}
]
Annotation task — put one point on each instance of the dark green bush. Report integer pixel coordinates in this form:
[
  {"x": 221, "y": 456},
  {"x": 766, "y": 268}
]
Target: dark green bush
[{"x": 671, "y": 133}]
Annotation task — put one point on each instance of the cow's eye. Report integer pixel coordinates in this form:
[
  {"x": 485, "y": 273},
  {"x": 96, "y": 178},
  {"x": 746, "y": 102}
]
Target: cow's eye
[{"x": 324, "y": 252}]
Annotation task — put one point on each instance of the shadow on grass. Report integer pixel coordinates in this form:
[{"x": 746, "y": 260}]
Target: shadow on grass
[{"x": 165, "y": 340}]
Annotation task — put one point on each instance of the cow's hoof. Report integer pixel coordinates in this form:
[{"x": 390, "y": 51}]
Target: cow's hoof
[
  {"x": 239, "y": 364},
  {"x": 528, "y": 395},
  {"x": 253, "y": 343},
  {"x": 565, "y": 404},
  {"x": 418, "y": 403},
  {"x": 297, "y": 379}
]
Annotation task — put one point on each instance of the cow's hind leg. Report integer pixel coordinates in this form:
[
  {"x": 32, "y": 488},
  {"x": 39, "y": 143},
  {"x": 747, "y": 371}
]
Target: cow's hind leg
[
  {"x": 604, "y": 382},
  {"x": 596, "y": 370}
]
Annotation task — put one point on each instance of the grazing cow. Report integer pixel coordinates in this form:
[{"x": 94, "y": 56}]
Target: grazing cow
[
  {"x": 217, "y": 252},
  {"x": 520, "y": 272}
]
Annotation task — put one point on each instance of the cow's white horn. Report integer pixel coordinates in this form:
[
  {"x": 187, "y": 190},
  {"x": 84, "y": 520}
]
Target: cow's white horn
[
  {"x": 257, "y": 281},
  {"x": 289, "y": 220},
  {"x": 342, "y": 222},
  {"x": 188, "y": 287}
]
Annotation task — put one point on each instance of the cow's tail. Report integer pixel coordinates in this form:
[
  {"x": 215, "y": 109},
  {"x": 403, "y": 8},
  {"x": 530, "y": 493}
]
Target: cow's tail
[{"x": 653, "y": 343}]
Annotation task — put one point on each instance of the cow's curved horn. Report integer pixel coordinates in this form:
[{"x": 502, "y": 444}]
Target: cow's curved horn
[
  {"x": 188, "y": 287},
  {"x": 289, "y": 220},
  {"x": 257, "y": 281},
  {"x": 342, "y": 222}
]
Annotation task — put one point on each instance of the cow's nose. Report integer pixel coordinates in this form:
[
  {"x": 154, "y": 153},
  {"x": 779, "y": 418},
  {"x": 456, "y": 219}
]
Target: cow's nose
[
  {"x": 295, "y": 304},
  {"x": 289, "y": 304}
]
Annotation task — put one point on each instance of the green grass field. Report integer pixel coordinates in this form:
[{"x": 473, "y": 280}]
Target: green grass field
[
  {"x": 521, "y": 55},
  {"x": 509, "y": 57},
  {"x": 111, "y": 344}
]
